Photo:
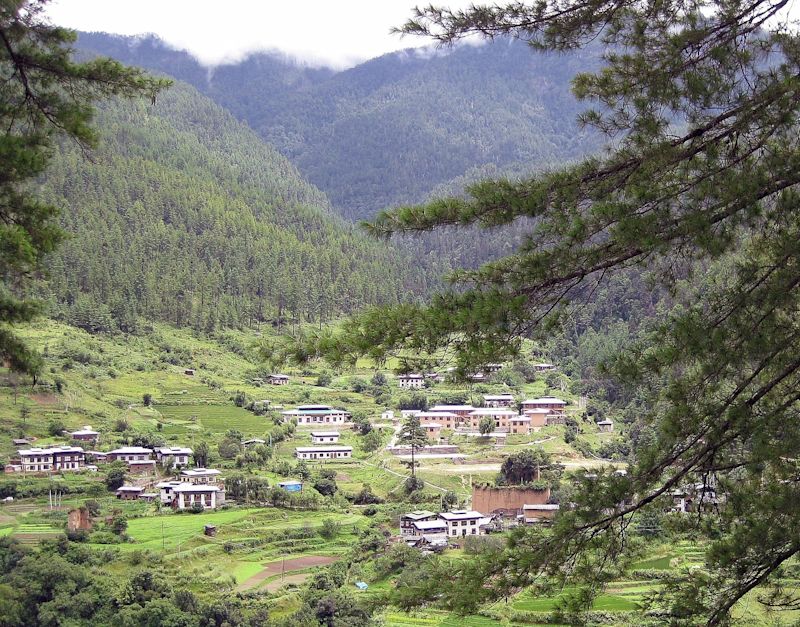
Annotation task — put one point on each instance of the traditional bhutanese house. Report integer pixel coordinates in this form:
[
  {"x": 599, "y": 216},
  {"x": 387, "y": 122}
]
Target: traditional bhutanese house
[
  {"x": 323, "y": 452},
  {"x": 461, "y": 522},
  {"x": 543, "y": 367},
  {"x": 324, "y": 437},
  {"x": 148, "y": 497},
  {"x": 605, "y": 426},
  {"x": 186, "y": 495},
  {"x": 434, "y": 376},
  {"x": 407, "y": 520},
  {"x": 478, "y": 377},
  {"x": 462, "y": 411},
  {"x": 200, "y": 476},
  {"x": 445, "y": 420},
  {"x": 492, "y": 368},
  {"x": 429, "y": 528},
  {"x": 165, "y": 489},
  {"x": 539, "y": 513},
  {"x": 129, "y": 492},
  {"x": 85, "y": 434},
  {"x": 20, "y": 442},
  {"x": 411, "y": 381},
  {"x": 278, "y": 379},
  {"x": 555, "y": 405},
  {"x": 129, "y": 454},
  {"x": 500, "y": 416},
  {"x": 174, "y": 455},
  {"x": 98, "y": 456},
  {"x": 53, "y": 459},
  {"x": 316, "y": 415},
  {"x": 519, "y": 425},
  {"x": 498, "y": 400},
  {"x": 433, "y": 430},
  {"x": 538, "y": 416}
]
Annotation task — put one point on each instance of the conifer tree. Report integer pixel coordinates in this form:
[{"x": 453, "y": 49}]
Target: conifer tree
[
  {"x": 45, "y": 95},
  {"x": 700, "y": 102}
]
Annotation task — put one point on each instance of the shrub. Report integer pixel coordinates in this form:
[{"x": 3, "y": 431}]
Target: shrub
[
  {"x": 329, "y": 529},
  {"x": 324, "y": 380}
]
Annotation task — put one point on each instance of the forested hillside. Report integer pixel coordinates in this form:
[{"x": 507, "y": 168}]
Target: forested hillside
[
  {"x": 184, "y": 215},
  {"x": 391, "y": 130}
]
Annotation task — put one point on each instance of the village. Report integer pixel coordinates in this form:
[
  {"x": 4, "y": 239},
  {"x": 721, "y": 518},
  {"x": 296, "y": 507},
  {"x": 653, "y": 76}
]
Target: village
[{"x": 254, "y": 481}]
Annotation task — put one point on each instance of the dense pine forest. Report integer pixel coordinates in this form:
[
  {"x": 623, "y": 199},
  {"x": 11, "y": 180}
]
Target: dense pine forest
[
  {"x": 183, "y": 215},
  {"x": 393, "y": 129}
]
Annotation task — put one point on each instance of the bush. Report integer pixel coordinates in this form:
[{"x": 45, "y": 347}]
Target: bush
[
  {"x": 324, "y": 380},
  {"x": 115, "y": 477},
  {"x": 366, "y": 496},
  {"x": 56, "y": 428},
  {"x": 329, "y": 529},
  {"x": 196, "y": 508},
  {"x": 413, "y": 484},
  {"x": 147, "y": 399},
  {"x": 77, "y": 535},
  {"x": 326, "y": 487}
]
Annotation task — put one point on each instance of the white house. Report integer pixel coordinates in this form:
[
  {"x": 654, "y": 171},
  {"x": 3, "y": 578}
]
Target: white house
[
  {"x": 324, "y": 437},
  {"x": 500, "y": 416},
  {"x": 52, "y": 459},
  {"x": 407, "y": 520},
  {"x": 85, "y": 434},
  {"x": 498, "y": 400},
  {"x": 186, "y": 495},
  {"x": 324, "y": 452},
  {"x": 461, "y": 522},
  {"x": 178, "y": 454},
  {"x": 317, "y": 415},
  {"x": 129, "y": 454},
  {"x": 411, "y": 381},
  {"x": 165, "y": 489},
  {"x": 199, "y": 476}
]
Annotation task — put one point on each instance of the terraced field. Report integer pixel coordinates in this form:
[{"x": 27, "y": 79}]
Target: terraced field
[{"x": 214, "y": 418}]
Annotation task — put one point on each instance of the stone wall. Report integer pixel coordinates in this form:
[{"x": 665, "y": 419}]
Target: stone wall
[{"x": 506, "y": 499}]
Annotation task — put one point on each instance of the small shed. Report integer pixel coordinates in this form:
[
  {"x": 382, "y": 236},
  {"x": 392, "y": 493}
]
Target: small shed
[
  {"x": 210, "y": 530},
  {"x": 605, "y": 426},
  {"x": 291, "y": 486},
  {"x": 189, "y": 372},
  {"x": 361, "y": 585}
]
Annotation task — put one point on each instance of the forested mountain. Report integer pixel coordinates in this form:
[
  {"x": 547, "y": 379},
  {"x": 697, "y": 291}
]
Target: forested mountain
[
  {"x": 184, "y": 215},
  {"x": 391, "y": 130}
]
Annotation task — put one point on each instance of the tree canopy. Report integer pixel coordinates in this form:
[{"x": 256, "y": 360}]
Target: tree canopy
[
  {"x": 699, "y": 101},
  {"x": 45, "y": 94}
]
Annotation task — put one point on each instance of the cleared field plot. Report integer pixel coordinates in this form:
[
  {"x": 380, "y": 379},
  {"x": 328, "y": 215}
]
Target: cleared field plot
[
  {"x": 284, "y": 566},
  {"x": 622, "y": 602},
  {"x": 31, "y": 533},
  {"x": 658, "y": 563},
  {"x": 432, "y": 618},
  {"x": 215, "y": 418}
]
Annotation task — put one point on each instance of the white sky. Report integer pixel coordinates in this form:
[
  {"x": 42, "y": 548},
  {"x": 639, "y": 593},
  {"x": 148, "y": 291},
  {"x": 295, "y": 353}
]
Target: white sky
[{"x": 339, "y": 33}]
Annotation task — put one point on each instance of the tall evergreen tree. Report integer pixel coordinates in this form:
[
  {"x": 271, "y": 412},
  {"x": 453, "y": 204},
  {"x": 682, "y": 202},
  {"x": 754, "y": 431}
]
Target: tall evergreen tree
[
  {"x": 701, "y": 101},
  {"x": 45, "y": 94}
]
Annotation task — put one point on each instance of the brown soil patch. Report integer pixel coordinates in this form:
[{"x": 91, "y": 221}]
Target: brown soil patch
[
  {"x": 44, "y": 399},
  {"x": 276, "y": 568}
]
